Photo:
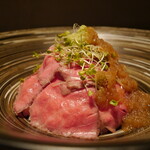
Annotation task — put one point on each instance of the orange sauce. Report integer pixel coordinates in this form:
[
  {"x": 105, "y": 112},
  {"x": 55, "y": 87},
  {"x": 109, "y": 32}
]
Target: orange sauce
[{"x": 138, "y": 115}]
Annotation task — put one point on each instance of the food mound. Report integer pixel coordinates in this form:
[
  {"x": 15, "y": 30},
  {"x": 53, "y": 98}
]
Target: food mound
[{"x": 81, "y": 90}]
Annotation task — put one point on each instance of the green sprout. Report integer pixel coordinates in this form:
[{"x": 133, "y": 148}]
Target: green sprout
[
  {"x": 72, "y": 48},
  {"x": 22, "y": 80},
  {"x": 36, "y": 68},
  {"x": 36, "y": 55}
]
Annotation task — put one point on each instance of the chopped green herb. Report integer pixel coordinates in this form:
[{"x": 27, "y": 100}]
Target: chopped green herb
[
  {"x": 113, "y": 102},
  {"x": 48, "y": 51},
  {"x": 58, "y": 59},
  {"x": 90, "y": 93},
  {"x": 82, "y": 77},
  {"x": 81, "y": 73}
]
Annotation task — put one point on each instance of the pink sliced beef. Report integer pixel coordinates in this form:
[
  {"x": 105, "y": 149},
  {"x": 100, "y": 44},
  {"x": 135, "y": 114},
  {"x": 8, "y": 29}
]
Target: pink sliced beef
[
  {"x": 69, "y": 74},
  {"x": 111, "y": 118},
  {"x": 71, "y": 79},
  {"x": 73, "y": 115},
  {"x": 28, "y": 90},
  {"x": 59, "y": 103},
  {"x": 47, "y": 70}
]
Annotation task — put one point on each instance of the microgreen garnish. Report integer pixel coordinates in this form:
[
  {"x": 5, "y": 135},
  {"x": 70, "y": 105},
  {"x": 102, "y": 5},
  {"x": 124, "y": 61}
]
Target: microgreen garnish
[
  {"x": 36, "y": 68},
  {"x": 104, "y": 66},
  {"x": 58, "y": 59},
  {"x": 63, "y": 34},
  {"x": 72, "y": 49},
  {"x": 113, "y": 102},
  {"x": 22, "y": 80},
  {"x": 36, "y": 55}
]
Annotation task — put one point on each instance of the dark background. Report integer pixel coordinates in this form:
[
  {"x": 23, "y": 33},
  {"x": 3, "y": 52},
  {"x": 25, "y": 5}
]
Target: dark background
[{"x": 24, "y": 14}]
